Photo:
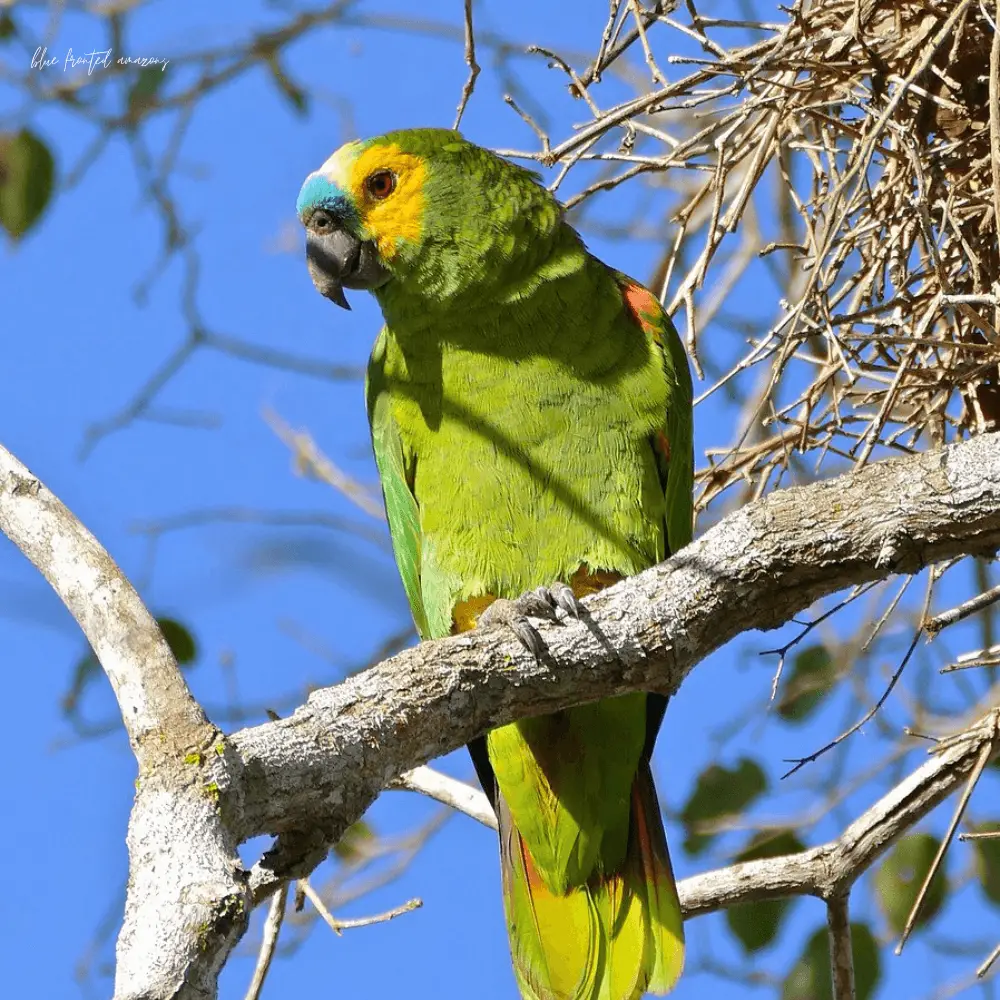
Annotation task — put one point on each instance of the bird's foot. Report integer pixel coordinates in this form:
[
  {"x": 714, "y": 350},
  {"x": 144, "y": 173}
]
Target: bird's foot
[{"x": 542, "y": 602}]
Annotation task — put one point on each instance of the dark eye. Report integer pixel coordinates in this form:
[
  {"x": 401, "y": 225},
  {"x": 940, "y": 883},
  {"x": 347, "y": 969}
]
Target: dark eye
[
  {"x": 381, "y": 184},
  {"x": 321, "y": 221}
]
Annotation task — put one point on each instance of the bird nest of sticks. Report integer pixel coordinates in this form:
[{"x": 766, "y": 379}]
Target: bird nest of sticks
[
  {"x": 874, "y": 120},
  {"x": 878, "y": 117}
]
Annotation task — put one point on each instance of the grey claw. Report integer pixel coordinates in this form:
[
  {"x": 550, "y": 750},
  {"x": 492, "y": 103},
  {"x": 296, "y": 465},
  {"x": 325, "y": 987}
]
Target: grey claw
[
  {"x": 529, "y": 637},
  {"x": 512, "y": 614},
  {"x": 563, "y": 597},
  {"x": 541, "y": 602},
  {"x": 537, "y": 603}
]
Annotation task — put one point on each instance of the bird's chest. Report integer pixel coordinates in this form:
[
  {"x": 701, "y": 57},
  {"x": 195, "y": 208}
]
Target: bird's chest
[
  {"x": 491, "y": 439},
  {"x": 523, "y": 472}
]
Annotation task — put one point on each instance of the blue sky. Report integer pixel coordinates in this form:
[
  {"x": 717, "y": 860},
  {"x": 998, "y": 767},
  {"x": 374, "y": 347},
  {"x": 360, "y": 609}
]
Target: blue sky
[{"x": 277, "y": 610}]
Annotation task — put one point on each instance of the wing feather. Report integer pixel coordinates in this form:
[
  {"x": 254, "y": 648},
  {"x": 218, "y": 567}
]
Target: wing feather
[
  {"x": 674, "y": 443},
  {"x": 397, "y": 476}
]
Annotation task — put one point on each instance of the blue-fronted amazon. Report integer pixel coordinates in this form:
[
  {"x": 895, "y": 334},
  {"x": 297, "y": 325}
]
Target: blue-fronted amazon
[{"x": 530, "y": 409}]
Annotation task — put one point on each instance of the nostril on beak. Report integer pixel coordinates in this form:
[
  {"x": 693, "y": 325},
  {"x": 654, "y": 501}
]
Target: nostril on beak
[{"x": 321, "y": 221}]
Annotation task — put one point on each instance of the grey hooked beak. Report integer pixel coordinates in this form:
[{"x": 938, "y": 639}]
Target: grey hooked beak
[{"x": 337, "y": 259}]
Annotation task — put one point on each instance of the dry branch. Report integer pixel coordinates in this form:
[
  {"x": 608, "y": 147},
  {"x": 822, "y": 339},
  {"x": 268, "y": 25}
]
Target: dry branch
[
  {"x": 310, "y": 776},
  {"x": 151, "y": 693},
  {"x": 449, "y": 791},
  {"x": 755, "y": 569},
  {"x": 830, "y": 870},
  {"x": 185, "y": 879}
]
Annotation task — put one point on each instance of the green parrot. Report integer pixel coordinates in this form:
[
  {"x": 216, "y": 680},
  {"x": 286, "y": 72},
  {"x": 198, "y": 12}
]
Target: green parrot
[{"x": 531, "y": 418}]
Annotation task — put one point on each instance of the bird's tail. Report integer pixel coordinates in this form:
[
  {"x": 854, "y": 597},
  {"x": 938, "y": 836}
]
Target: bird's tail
[{"x": 616, "y": 937}]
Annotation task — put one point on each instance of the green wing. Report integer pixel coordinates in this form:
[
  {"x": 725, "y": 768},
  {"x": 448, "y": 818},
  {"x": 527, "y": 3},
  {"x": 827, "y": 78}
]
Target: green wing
[
  {"x": 679, "y": 460},
  {"x": 674, "y": 445},
  {"x": 396, "y": 474}
]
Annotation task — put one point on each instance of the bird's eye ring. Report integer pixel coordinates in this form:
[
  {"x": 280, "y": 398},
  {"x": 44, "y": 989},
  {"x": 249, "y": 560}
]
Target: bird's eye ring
[{"x": 381, "y": 184}]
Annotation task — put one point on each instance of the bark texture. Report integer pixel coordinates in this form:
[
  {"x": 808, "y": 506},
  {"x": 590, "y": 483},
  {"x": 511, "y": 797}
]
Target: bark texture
[{"x": 306, "y": 778}]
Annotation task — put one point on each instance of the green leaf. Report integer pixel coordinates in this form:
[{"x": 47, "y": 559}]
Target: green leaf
[
  {"x": 86, "y": 669},
  {"x": 988, "y": 862},
  {"x": 900, "y": 877},
  {"x": 720, "y": 792},
  {"x": 756, "y": 925},
  {"x": 143, "y": 93},
  {"x": 27, "y": 171},
  {"x": 295, "y": 95},
  {"x": 8, "y": 29},
  {"x": 350, "y": 846},
  {"x": 181, "y": 642},
  {"x": 812, "y": 676},
  {"x": 810, "y": 978},
  {"x": 867, "y": 961}
]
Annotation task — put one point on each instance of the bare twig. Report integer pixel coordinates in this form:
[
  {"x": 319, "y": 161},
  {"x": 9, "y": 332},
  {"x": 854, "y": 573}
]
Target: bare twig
[
  {"x": 269, "y": 942},
  {"x": 799, "y": 762},
  {"x": 934, "y": 625},
  {"x": 532, "y": 124},
  {"x": 338, "y": 926},
  {"x": 988, "y": 964},
  {"x": 956, "y": 818},
  {"x": 310, "y": 460},
  {"x": 450, "y": 791},
  {"x": 470, "y": 61}
]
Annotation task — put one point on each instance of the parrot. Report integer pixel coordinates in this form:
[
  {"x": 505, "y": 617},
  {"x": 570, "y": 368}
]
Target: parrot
[{"x": 531, "y": 418}]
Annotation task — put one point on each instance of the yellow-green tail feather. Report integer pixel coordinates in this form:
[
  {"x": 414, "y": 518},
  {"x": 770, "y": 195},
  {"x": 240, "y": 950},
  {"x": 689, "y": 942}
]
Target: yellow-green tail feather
[{"x": 616, "y": 937}]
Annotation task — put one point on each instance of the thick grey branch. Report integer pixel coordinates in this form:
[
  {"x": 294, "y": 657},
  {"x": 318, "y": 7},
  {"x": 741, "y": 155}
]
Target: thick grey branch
[
  {"x": 310, "y": 776},
  {"x": 185, "y": 881},
  {"x": 151, "y": 693},
  {"x": 756, "y": 569}
]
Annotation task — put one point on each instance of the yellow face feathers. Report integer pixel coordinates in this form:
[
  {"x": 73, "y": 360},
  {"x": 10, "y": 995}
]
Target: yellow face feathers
[
  {"x": 390, "y": 208},
  {"x": 397, "y": 215}
]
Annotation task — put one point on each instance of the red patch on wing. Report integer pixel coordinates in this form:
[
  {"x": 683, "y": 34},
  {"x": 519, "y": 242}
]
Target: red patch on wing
[
  {"x": 644, "y": 307},
  {"x": 663, "y": 444},
  {"x": 535, "y": 880}
]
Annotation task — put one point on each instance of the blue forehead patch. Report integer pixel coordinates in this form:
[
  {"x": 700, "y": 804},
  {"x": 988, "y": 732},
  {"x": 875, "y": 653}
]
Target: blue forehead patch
[{"x": 320, "y": 192}]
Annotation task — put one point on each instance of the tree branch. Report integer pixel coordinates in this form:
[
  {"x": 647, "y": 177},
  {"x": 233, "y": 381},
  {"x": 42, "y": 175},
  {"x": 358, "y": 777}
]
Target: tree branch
[
  {"x": 449, "y": 791},
  {"x": 186, "y": 884},
  {"x": 830, "y": 870},
  {"x": 756, "y": 569},
  {"x": 269, "y": 942},
  {"x": 308, "y": 777},
  {"x": 151, "y": 693},
  {"x": 841, "y": 953}
]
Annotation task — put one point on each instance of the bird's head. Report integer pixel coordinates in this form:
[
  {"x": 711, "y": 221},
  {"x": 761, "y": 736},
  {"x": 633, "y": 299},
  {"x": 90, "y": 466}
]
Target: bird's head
[{"x": 421, "y": 213}]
